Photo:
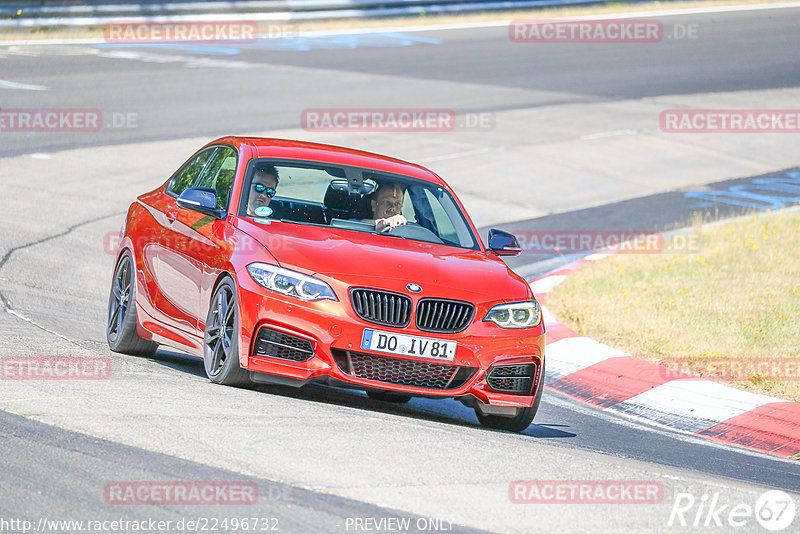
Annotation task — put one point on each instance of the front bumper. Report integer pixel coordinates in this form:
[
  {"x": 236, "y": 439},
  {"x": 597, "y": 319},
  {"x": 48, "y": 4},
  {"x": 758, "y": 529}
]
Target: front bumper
[{"x": 328, "y": 350}]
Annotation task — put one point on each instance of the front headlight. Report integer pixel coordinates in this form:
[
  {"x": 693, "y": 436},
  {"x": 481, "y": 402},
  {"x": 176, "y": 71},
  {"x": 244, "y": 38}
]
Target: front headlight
[
  {"x": 515, "y": 315},
  {"x": 290, "y": 283}
]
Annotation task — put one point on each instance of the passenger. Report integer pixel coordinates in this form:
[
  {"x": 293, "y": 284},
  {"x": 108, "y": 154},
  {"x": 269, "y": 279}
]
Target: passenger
[
  {"x": 387, "y": 203},
  {"x": 262, "y": 188}
]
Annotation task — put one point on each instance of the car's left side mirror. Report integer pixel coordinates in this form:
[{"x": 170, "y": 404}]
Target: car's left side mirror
[
  {"x": 503, "y": 244},
  {"x": 201, "y": 199}
]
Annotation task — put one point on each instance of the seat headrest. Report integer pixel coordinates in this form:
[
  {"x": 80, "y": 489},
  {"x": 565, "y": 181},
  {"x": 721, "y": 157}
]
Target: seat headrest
[
  {"x": 338, "y": 197},
  {"x": 341, "y": 197}
]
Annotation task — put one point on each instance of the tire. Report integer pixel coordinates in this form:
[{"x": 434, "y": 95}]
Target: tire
[
  {"x": 121, "y": 332},
  {"x": 398, "y": 398},
  {"x": 221, "y": 338},
  {"x": 519, "y": 422}
]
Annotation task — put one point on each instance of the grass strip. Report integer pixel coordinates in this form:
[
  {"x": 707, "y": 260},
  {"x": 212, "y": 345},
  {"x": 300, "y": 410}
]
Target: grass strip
[{"x": 728, "y": 311}]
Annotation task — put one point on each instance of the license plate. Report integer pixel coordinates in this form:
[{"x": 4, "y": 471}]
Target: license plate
[{"x": 405, "y": 345}]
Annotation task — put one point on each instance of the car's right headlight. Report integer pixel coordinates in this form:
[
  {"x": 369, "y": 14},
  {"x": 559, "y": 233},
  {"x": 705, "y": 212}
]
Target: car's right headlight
[
  {"x": 515, "y": 315},
  {"x": 290, "y": 283}
]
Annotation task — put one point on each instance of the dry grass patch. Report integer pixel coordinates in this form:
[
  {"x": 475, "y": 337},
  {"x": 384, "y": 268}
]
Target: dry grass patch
[{"x": 736, "y": 299}]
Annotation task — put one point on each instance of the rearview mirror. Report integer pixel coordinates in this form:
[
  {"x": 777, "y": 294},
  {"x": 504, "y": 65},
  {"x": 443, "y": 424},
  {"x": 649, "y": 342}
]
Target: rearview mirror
[
  {"x": 503, "y": 244},
  {"x": 364, "y": 188},
  {"x": 202, "y": 200}
]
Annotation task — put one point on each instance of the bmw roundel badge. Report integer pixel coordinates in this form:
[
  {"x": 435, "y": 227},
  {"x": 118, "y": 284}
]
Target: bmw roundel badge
[{"x": 414, "y": 288}]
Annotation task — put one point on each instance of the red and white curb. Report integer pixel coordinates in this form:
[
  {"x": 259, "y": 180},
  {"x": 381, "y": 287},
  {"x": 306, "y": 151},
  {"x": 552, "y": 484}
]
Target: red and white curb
[{"x": 616, "y": 381}]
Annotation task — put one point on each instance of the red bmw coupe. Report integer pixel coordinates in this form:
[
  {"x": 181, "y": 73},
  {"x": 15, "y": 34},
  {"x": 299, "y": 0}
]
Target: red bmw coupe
[{"x": 285, "y": 262}]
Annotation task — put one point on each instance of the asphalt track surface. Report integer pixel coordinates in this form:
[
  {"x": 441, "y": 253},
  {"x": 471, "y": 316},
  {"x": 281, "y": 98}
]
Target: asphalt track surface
[
  {"x": 167, "y": 86},
  {"x": 321, "y": 455}
]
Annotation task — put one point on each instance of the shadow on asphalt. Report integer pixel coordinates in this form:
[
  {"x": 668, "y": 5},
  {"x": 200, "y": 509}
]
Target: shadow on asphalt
[
  {"x": 185, "y": 363},
  {"x": 448, "y": 411}
]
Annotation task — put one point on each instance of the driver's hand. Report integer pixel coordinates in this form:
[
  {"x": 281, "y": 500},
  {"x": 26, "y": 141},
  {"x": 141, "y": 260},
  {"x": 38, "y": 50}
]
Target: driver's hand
[{"x": 390, "y": 222}]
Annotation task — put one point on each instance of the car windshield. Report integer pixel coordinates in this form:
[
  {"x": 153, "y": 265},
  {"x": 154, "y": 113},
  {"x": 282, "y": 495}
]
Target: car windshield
[{"x": 353, "y": 199}]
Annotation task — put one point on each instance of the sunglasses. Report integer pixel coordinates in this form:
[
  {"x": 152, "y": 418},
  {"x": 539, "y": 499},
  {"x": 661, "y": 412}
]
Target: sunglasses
[{"x": 271, "y": 191}]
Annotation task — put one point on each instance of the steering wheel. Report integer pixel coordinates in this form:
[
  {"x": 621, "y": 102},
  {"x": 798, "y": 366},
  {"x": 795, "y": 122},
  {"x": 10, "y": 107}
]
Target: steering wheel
[
  {"x": 390, "y": 229},
  {"x": 413, "y": 231}
]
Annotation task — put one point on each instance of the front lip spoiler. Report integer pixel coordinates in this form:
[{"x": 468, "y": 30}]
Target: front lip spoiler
[
  {"x": 278, "y": 380},
  {"x": 474, "y": 396},
  {"x": 473, "y": 402},
  {"x": 286, "y": 381}
]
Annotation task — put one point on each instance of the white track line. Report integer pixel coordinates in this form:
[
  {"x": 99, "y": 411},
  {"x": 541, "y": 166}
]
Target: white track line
[{"x": 5, "y": 84}]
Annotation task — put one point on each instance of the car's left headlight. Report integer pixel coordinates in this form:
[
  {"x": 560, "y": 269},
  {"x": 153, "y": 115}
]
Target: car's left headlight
[
  {"x": 515, "y": 315},
  {"x": 290, "y": 283}
]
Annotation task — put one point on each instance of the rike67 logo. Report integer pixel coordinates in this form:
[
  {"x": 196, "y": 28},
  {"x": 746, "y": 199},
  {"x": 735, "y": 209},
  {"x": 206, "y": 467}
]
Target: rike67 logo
[{"x": 774, "y": 510}]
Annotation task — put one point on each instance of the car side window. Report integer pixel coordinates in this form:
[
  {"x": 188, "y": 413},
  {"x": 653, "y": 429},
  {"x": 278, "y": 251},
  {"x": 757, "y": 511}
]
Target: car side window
[
  {"x": 218, "y": 174},
  {"x": 187, "y": 175},
  {"x": 444, "y": 224}
]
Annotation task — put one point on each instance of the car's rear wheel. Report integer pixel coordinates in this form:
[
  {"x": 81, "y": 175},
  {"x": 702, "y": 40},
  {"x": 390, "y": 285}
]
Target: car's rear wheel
[
  {"x": 121, "y": 332},
  {"x": 399, "y": 398},
  {"x": 221, "y": 346},
  {"x": 517, "y": 423}
]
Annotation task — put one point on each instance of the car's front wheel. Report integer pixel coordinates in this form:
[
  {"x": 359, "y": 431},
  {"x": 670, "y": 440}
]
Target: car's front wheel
[
  {"x": 121, "y": 332},
  {"x": 221, "y": 347}
]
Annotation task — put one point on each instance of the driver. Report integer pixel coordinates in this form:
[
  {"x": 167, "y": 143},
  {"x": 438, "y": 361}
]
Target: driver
[
  {"x": 387, "y": 202},
  {"x": 263, "y": 187}
]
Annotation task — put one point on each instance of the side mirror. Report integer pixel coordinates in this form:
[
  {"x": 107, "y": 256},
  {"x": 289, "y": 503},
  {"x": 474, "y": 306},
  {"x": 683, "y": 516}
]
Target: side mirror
[
  {"x": 503, "y": 244},
  {"x": 201, "y": 199}
]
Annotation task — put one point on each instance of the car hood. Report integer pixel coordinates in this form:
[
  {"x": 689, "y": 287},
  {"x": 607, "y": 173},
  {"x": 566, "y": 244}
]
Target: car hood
[{"x": 383, "y": 261}]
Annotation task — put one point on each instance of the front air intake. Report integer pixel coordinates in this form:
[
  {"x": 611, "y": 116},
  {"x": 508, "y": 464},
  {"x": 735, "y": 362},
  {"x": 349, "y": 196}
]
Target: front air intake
[
  {"x": 516, "y": 379},
  {"x": 276, "y": 344},
  {"x": 430, "y": 375}
]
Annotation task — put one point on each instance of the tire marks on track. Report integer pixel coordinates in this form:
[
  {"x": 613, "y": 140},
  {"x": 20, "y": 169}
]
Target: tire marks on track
[{"x": 4, "y": 300}]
